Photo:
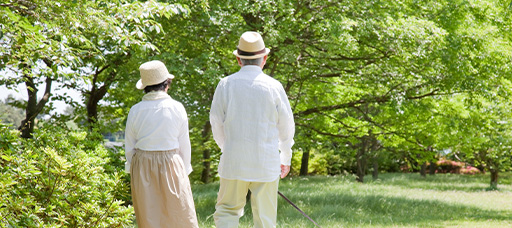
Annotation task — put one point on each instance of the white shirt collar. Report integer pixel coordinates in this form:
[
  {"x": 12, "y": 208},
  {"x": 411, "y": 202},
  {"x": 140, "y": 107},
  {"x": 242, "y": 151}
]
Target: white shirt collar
[
  {"x": 155, "y": 95},
  {"x": 251, "y": 68}
]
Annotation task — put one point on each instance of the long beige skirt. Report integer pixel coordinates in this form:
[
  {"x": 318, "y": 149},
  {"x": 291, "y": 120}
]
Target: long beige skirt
[{"x": 161, "y": 190}]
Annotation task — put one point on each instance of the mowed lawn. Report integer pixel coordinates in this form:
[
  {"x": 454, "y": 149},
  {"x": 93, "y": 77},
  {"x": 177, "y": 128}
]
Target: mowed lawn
[{"x": 394, "y": 200}]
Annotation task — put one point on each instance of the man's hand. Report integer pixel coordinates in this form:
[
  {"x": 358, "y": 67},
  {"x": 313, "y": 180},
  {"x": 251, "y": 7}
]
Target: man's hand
[{"x": 285, "y": 169}]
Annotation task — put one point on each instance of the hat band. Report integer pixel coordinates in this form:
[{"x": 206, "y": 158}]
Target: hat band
[{"x": 246, "y": 53}]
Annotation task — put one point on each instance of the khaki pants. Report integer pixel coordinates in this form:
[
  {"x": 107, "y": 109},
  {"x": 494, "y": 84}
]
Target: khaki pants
[
  {"x": 231, "y": 201},
  {"x": 161, "y": 191}
]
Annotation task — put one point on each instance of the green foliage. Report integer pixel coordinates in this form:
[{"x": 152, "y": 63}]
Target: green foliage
[
  {"x": 318, "y": 162},
  {"x": 60, "y": 178},
  {"x": 483, "y": 131},
  {"x": 324, "y": 162},
  {"x": 413, "y": 77},
  {"x": 198, "y": 146}
]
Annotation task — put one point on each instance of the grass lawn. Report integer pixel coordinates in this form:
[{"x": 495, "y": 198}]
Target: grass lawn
[{"x": 394, "y": 200}]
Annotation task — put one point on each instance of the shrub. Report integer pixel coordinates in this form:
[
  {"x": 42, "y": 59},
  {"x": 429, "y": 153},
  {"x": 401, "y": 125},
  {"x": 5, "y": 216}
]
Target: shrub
[
  {"x": 321, "y": 162},
  {"x": 60, "y": 178},
  {"x": 469, "y": 170},
  {"x": 448, "y": 166}
]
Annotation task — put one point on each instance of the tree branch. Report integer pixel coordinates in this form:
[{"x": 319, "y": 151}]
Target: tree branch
[
  {"x": 379, "y": 99},
  {"x": 341, "y": 106},
  {"x": 46, "y": 96},
  {"x": 322, "y": 132}
]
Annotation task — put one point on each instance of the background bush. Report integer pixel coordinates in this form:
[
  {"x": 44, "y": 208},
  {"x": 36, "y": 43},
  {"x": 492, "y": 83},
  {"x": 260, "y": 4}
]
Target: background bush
[
  {"x": 61, "y": 178},
  {"x": 449, "y": 166}
]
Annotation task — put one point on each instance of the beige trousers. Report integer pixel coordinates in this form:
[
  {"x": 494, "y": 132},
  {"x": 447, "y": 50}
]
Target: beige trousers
[
  {"x": 161, "y": 191},
  {"x": 231, "y": 201}
]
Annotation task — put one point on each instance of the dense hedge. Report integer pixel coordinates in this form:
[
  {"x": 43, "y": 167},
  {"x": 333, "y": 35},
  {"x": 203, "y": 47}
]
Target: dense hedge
[{"x": 61, "y": 178}]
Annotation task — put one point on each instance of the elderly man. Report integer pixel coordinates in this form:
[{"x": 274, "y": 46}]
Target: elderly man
[
  {"x": 157, "y": 149},
  {"x": 251, "y": 122}
]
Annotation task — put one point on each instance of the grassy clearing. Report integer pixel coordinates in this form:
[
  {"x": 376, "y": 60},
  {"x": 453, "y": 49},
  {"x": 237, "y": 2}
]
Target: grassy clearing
[{"x": 394, "y": 200}]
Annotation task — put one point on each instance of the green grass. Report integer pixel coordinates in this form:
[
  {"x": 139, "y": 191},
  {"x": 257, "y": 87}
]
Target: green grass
[{"x": 394, "y": 200}]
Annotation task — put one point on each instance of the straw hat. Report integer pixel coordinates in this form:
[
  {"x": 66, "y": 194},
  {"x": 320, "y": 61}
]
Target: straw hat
[
  {"x": 152, "y": 73},
  {"x": 251, "y": 46}
]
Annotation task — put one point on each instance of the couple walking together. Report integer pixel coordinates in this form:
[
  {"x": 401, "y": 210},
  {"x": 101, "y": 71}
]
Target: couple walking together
[{"x": 251, "y": 122}]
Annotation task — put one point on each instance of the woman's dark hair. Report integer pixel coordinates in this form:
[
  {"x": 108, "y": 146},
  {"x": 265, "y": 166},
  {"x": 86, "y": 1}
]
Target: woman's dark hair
[{"x": 158, "y": 87}]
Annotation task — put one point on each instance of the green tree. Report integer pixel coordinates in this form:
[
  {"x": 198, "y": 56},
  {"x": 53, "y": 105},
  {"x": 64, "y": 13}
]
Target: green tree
[
  {"x": 30, "y": 49},
  {"x": 366, "y": 79},
  {"x": 117, "y": 49},
  {"x": 484, "y": 135},
  {"x": 348, "y": 66},
  {"x": 83, "y": 45},
  {"x": 392, "y": 56},
  {"x": 36, "y": 42}
]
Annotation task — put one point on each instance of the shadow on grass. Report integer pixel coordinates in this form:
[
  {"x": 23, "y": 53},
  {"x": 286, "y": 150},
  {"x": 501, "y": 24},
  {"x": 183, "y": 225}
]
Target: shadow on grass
[
  {"x": 348, "y": 209},
  {"x": 338, "y": 202},
  {"x": 350, "y": 206}
]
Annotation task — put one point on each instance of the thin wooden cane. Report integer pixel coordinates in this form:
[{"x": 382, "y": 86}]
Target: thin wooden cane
[{"x": 302, "y": 212}]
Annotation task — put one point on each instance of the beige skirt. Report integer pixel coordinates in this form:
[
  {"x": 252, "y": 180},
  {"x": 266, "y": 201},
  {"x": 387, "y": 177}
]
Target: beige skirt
[{"x": 161, "y": 190}]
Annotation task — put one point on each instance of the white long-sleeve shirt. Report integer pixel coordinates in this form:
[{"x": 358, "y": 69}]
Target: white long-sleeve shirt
[
  {"x": 251, "y": 122},
  {"x": 157, "y": 123}
]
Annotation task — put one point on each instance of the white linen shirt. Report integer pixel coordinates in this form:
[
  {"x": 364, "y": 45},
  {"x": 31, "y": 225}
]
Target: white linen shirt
[
  {"x": 251, "y": 121},
  {"x": 157, "y": 123}
]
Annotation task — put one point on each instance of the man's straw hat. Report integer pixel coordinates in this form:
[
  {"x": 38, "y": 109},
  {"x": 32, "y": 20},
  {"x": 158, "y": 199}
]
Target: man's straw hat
[
  {"x": 152, "y": 73},
  {"x": 251, "y": 46}
]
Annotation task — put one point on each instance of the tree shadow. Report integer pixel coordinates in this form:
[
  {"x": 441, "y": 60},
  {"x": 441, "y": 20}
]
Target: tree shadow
[
  {"x": 348, "y": 207},
  {"x": 343, "y": 208}
]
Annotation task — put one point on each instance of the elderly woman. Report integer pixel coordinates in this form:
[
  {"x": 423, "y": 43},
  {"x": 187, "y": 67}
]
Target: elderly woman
[{"x": 157, "y": 149}]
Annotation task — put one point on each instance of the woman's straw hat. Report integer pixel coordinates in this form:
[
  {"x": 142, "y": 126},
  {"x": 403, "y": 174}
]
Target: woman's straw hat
[
  {"x": 251, "y": 46},
  {"x": 152, "y": 73}
]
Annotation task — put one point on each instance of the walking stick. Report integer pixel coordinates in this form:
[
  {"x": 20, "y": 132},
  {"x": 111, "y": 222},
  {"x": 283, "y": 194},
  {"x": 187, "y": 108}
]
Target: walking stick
[{"x": 291, "y": 203}]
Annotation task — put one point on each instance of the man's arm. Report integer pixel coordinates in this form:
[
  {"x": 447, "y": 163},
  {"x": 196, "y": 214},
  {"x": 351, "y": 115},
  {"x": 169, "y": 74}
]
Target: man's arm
[
  {"x": 286, "y": 127},
  {"x": 217, "y": 115}
]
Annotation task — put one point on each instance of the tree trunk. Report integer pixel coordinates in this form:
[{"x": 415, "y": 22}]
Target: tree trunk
[
  {"x": 494, "y": 178},
  {"x": 92, "y": 110},
  {"x": 423, "y": 169},
  {"x": 34, "y": 107},
  {"x": 433, "y": 167},
  {"x": 375, "y": 173},
  {"x": 375, "y": 161},
  {"x": 96, "y": 95},
  {"x": 27, "y": 125},
  {"x": 304, "y": 163},
  {"x": 205, "y": 175},
  {"x": 361, "y": 161}
]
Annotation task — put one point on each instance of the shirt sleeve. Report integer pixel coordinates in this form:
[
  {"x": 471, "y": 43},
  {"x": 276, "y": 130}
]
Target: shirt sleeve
[
  {"x": 217, "y": 116},
  {"x": 129, "y": 143},
  {"x": 285, "y": 126},
  {"x": 184, "y": 142}
]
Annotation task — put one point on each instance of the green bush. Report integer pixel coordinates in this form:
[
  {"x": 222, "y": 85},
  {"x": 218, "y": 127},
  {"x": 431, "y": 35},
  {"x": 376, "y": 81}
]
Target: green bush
[
  {"x": 324, "y": 162},
  {"x": 60, "y": 178}
]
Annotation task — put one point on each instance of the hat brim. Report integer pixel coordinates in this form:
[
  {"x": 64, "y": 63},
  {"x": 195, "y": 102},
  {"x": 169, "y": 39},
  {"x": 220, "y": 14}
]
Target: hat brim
[
  {"x": 235, "y": 52},
  {"x": 141, "y": 86}
]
